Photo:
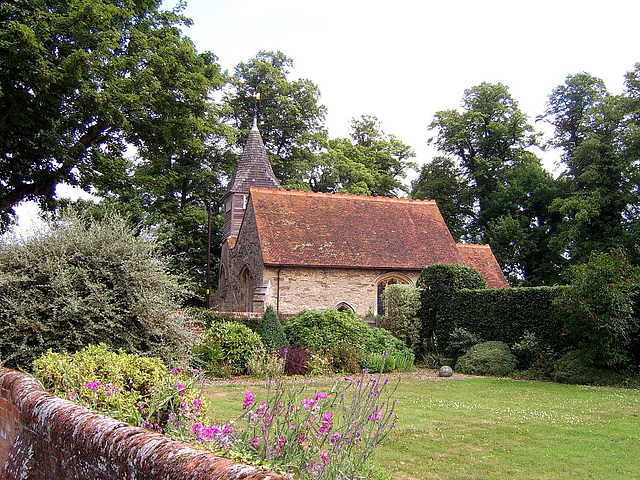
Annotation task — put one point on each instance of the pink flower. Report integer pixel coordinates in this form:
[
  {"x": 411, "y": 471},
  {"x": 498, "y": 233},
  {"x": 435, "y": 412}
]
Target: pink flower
[
  {"x": 175, "y": 371},
  {"x": 181, "y": 388},
  {"x": 93, "y": 385},
  {"x": 255, "y": 441},
  {"x": 248, "y": 400},
  {"x": 197, "y": 403},
  {"x": 292, "y": 426}
]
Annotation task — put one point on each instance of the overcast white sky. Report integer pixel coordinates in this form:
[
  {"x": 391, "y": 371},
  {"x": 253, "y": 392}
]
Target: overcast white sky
[{"x": 404, "y": 60}]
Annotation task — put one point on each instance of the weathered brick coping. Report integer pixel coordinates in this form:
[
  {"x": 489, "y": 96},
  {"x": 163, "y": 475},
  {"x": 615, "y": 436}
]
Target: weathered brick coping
[{"x": 46, "y": 437}]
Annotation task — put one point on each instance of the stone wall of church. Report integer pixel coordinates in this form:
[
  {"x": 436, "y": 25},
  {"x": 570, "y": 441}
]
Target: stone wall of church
[
  {"x": 245, "y": 254},
  {"x": 293, "y": 289}
]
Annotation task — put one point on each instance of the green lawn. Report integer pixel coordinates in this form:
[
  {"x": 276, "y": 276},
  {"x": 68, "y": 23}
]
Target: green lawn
[{"x": 486, "y": 428}]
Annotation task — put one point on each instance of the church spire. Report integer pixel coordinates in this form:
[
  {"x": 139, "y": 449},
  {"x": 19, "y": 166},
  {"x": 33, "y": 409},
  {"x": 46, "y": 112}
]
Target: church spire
[{"x": 253, "y": 170}]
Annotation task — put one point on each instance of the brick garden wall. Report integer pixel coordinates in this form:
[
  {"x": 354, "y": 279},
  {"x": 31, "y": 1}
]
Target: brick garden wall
[{"x": 43, "y": 437}]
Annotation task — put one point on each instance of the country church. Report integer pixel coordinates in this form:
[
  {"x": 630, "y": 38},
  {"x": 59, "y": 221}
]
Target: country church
[{"x": 301, "y": 250}]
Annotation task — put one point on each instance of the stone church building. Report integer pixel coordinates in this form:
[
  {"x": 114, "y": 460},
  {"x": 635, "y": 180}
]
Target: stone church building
[{"x": 302, "y": 250}]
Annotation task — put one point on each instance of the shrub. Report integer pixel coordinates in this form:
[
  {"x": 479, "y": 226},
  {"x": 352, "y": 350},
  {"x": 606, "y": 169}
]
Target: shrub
[
  {"x": 84, "y": 281},
  {"x": 461, "y": 340},
  {"x": 231, "y": 343},
  {"x": 267, "y": 366},
  {"x": 534, "y": 357},
  {"x": 295, "y": 360},
  {"x": 379, "y": 363},
  {"x": 326, "y": 332},
  {"x": 488, "y": 358},
  {"x": 345, "y": 358},
  {"x": 401, "y": 304},
  {"x": 135, "y": 389},
  {"x": 575, "y": 367},
  {"x": 271, "y": 331},
  {"x": 598, "y": 306}
]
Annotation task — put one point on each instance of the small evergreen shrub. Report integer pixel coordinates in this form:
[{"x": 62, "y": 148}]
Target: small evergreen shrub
[
  {"x": 535, "y": 359},
  {"x": 575, "y": 367},
  {"x": 401, "y": 304},
  {"x": 230, "y": 343},
  {"x": 271, "y": 331},
  {"x": 488, "y": 358}
]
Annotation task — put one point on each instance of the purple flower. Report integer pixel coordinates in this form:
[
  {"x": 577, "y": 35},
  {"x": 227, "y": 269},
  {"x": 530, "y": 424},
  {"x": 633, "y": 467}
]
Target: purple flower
[
  {"x": 93, "y": 385},
  {"x": 175, "y": 371},
  {"x": 248, "y": 400}
]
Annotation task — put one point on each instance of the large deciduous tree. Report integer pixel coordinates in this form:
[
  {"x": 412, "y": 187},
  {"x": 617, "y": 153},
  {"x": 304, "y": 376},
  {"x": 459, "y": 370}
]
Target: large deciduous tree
[
  {"x": 81, "y": 80},
  {"x": 289, "y": 115},
  {"x": 443, "y": 181},
  {"x": 598, "y": 135},
  {"x": 491, "y": 140},
  {"x": 370, "y": 162}
]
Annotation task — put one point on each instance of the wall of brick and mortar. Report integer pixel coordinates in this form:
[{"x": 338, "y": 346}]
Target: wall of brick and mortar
[{"x": 46, "y": 437}]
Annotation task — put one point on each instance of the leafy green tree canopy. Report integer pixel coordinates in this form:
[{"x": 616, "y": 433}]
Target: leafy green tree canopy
[
  {"x": 289, "y": 115},
  {"x": 371, "y": 162},
  {"x": 80, "y": 80}
]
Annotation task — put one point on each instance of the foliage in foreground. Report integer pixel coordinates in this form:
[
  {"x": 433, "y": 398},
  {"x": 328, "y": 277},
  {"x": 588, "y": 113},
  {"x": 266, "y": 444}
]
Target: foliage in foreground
[
  {"x": 328, "y": 435},
  {"x": 83, "y": 281},
  {"x": 138, "y": 390}
]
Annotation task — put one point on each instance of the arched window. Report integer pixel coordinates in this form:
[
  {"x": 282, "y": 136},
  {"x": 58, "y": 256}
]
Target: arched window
[
  {"x": 344, "y": 307},
  {"x": 246, "y": 293},
  {"x": 382, "y": 283}
]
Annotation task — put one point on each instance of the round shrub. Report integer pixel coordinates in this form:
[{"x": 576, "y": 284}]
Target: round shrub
[
  {"x": 488, "y": 358},
  {"x": 574, "y": 367},
  {"x": 234, "y": 345},
  {"x": 82, "y": 281},
  {"x": 325, "y": 332}
]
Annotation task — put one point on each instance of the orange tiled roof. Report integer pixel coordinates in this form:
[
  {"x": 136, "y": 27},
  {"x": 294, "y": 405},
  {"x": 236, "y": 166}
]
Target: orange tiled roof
[
  {"x": 330, "y": 230},
  {"x": 482, "y": 259}
]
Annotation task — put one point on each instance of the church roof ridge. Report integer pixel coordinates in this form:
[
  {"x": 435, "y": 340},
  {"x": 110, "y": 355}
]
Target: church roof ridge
[{"x": 343, "y": 195}]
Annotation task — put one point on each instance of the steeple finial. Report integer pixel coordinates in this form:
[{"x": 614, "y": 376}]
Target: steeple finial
[{"x": 255, "y": 111}]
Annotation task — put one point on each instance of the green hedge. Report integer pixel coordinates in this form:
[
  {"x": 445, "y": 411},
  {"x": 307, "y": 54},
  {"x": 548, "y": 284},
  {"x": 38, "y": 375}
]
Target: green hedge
[{"x": 505, "y": 315}]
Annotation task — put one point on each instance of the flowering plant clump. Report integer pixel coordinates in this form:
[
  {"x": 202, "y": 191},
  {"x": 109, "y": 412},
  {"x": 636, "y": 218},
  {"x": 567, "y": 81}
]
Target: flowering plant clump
[
  {"x": 327, "y": 435},
  {"x": 134, "y": 389}
]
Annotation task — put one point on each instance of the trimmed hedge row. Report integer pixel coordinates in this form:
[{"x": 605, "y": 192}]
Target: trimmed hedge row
[{"x": 505, "y": 315}]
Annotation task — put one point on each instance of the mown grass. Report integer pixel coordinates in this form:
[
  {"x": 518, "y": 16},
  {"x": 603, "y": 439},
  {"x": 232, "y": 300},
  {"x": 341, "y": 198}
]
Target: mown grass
[{"x": 487, "y": 428}]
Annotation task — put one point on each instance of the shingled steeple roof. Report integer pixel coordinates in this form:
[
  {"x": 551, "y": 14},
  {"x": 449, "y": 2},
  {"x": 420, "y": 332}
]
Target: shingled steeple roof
[{"x": 254, "y": 169}]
